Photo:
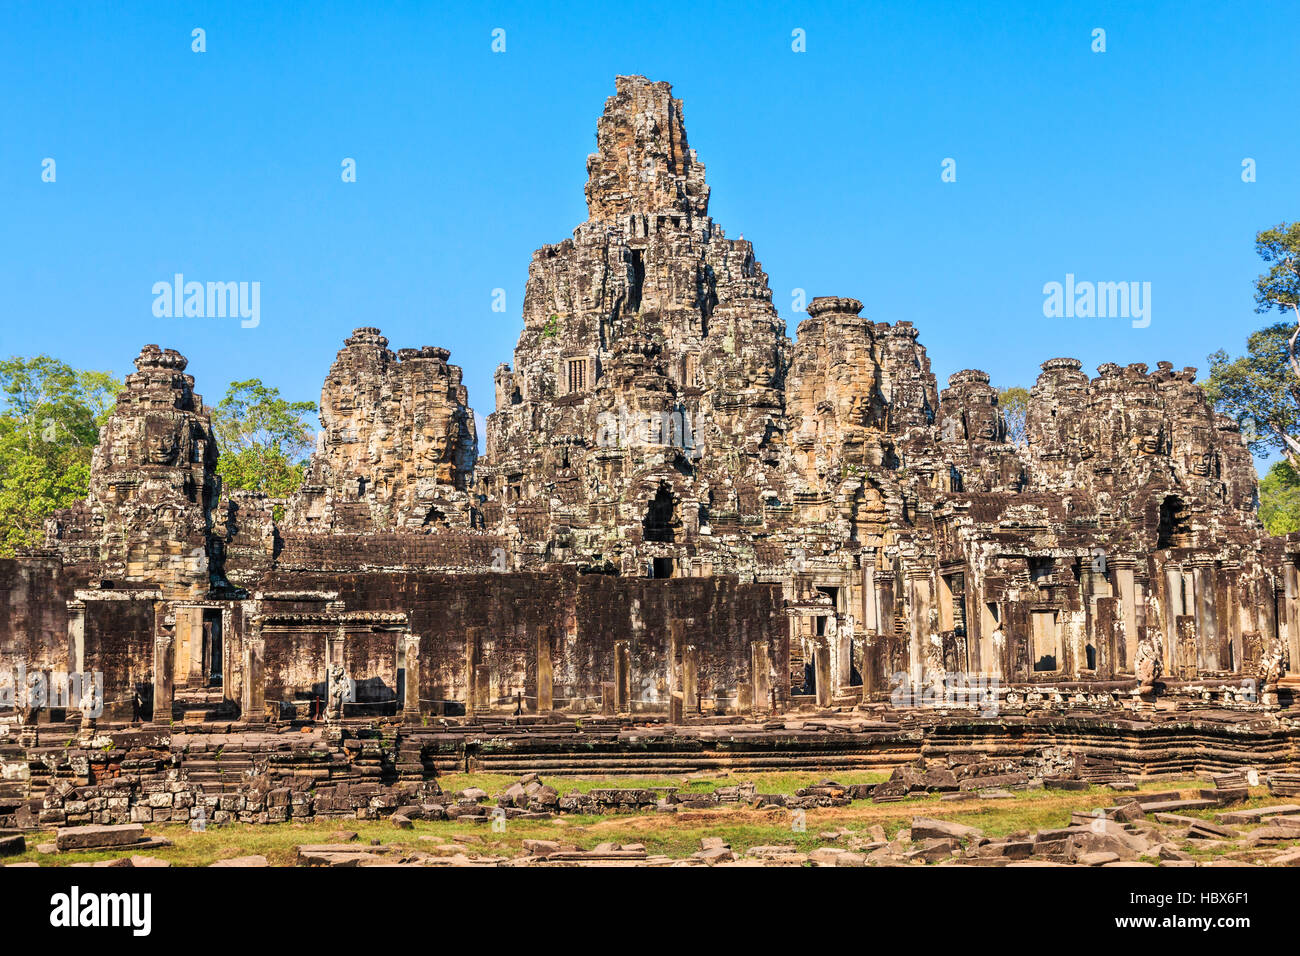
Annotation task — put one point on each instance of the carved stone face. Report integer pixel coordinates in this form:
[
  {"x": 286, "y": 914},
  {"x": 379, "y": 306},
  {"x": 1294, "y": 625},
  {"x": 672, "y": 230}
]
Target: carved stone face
[
  {"x": 1202, "y": 464},
  {"x": 855, "y": 409},
  {"x": 429, "y": 449},
  {"x": 1150, "y": 442},
  {"x": 160, "y": 449}
]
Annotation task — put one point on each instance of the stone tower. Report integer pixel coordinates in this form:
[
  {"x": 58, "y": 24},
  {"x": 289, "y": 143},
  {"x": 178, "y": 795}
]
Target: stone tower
[
  {"x": 398, "y": 444},
  {"x": 147, "y": 519},
  {"x": 645, "y": 402}
]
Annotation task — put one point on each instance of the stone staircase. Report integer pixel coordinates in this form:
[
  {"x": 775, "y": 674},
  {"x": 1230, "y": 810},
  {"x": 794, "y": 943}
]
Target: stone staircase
[{"x": 199, "y": 705}]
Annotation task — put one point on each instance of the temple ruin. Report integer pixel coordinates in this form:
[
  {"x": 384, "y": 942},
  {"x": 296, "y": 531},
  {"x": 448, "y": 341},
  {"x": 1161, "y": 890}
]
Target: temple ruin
[{"x": 680, "y": 516}]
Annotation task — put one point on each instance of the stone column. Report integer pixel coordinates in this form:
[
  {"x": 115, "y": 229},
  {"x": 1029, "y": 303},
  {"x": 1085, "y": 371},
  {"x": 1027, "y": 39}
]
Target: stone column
[
  {"x": 760, "y": 677},
  {"x": 411, "y": 697},
  {"x": 920, "y": 595},
  {"x": 822, "y": 668},
  {"x": 76, "y": 637},
  {"x": 164, "y": 668},
  {"x": 622, "y": 677},
  {"x": 843, "y": 665},
  {"x": 253, "y": 692},
  {"x": 870, "y": 600},
  {"x": 1291, "y": 601},
  {"x": 335, "y": 675},
  {"x": 1206, "y": 611},
  {"x": 191, "y": 620},
  {"x": 545, "y": 673},
  {"x": 473, "y": 645},
  {"x": 690, "y": 680},
  {"x": 1176, "y": 609},
  {"x": 1126, "y": 589},
  {"x": 676, "y": 639}
]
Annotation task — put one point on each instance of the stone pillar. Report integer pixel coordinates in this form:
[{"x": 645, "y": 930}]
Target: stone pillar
[
  {"x": 411, "y": 697},
  {"x": 1291, "y": 601},
  {"x": 622, "y": 677},
  {"x": 822, "y": 668},
  {"x": 676, "y": 639},
  {"x": 675, "y": 708},
  {"x": 607, "y": 698},
  {"x": 191, "y": 619},
  {"x": 1174, "y": 610},
  {"x": 920, "y": 595},
  {"x": 545, "y": 674},
  {"x": 1126, "y": 589},
  {"x": 335, "y": 675},
  {"x": 164, "y": 669},
  {"x": 253, "y": 692},
  {"x": 76, "y": 637},
  {"x": 870, "y": 600},
  {"x": 690, "y": 680},
  {"x": 760, "y": 677},
  {"x": 1185, "y": 637},
  {"x": 473, "y": 647},
  {"x": 1207, "y": 625},
  {"x": 843, "y": 665}
]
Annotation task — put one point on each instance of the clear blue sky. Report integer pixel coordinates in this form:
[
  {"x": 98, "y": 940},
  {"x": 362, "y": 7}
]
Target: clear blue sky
[{"x": 1115, "y": 166}]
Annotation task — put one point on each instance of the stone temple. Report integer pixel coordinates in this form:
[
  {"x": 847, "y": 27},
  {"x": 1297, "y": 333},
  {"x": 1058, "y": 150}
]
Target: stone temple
[{"x": 680, "y": 517}]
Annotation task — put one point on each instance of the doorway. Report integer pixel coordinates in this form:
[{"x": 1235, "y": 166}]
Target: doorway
[{"x": 213, "y": 650}]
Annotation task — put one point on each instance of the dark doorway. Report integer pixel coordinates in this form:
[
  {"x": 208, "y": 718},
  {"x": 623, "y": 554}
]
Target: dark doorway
[
  {"x": 662, "y": 568},
  {"x": 213, "y": 651},
  {"x": 638, "y": 280},
  {"x": 1174, "y": 530},
  {"x": 659, "y": 517}
]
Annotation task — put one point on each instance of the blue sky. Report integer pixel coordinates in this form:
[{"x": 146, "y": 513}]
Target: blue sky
[{"x": 1116, "y": 166}]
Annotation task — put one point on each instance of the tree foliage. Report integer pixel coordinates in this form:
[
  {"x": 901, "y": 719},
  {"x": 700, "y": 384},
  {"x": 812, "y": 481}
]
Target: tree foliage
[
  {"x": 1279, "y": 499},
  {"x": 1014, "y": 402},
  {"x": 50, "y": 416},
  {"x": 1259, "y": 391},
  {"x": 1279, "y": 288},
  {"x": 262, "y": 439}
]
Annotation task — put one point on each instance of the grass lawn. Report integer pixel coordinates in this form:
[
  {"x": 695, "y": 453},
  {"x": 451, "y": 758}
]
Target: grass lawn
[{"x": 671, "y": 834}]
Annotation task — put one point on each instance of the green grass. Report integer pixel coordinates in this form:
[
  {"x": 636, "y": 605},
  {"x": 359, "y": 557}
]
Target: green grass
[
  {"x": 786, "y": 783},
  {"x": 672, "y": 834}
]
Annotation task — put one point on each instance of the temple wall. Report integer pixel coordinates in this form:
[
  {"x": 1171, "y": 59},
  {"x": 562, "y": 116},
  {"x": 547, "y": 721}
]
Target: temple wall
[{"x": 476, "y": 628}]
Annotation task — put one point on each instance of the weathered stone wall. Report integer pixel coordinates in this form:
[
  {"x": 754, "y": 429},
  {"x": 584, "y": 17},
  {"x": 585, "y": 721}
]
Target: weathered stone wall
[
  {"x": 493, "y": 624},
  {"x": 34, "y": 615}
]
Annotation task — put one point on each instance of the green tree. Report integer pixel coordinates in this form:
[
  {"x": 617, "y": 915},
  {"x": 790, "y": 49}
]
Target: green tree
[
  {"x": 262, "y": 439},
  {"x": 1261, "y": 389},
  {"x": 1279, "y": 499},
  {"x": 1014, "y": 402},
  {"x": 1259, "y": 392},
  {"x": 50, "y": 416}
]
